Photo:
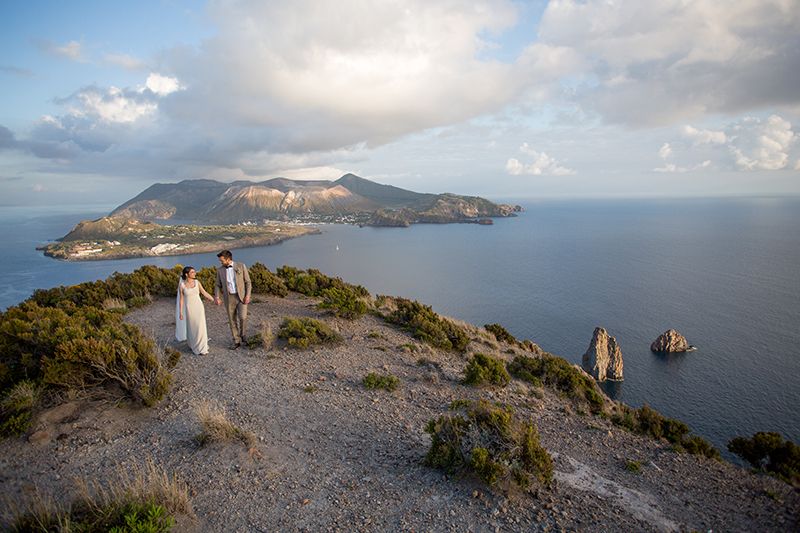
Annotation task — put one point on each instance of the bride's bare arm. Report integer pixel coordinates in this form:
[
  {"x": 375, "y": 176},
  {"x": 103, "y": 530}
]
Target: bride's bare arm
[{"x": 204, "y": 293}]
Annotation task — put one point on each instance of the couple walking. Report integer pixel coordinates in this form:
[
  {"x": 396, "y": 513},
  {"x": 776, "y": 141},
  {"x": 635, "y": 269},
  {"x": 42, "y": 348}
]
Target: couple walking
[{"x": 232, "y": 282}]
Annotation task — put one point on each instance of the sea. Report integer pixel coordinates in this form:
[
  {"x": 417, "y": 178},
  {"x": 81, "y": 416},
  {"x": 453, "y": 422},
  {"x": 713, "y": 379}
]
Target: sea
[{"x": 723, "y": 272}]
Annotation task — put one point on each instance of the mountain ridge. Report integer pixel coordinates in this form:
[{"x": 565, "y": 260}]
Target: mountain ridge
[{"x": 371, "y": 203}]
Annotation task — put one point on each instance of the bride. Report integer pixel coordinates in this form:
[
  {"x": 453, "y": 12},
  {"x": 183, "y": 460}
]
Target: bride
[{"x": 190, "y": 315}]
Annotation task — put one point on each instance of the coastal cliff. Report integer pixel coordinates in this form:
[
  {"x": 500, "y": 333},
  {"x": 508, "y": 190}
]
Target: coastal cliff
[{"x": 313, "y": 445}]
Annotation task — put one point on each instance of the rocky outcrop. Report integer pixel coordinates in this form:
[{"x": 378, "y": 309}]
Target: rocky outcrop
[
  {"x": 670, "y": 341},
  {"x": 603, "y": 359}
]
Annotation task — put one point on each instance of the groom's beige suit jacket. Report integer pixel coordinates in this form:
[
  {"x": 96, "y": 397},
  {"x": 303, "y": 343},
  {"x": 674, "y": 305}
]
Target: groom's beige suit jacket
[{"x": 242, "y": 280}]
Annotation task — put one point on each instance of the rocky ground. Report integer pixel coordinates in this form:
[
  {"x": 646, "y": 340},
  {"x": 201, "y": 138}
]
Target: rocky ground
[{"x": 334, "y": 456}]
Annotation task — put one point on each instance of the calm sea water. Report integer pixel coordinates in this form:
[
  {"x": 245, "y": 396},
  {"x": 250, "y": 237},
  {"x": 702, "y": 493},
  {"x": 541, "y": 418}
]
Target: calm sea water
[{"x": 725, "y": 273}]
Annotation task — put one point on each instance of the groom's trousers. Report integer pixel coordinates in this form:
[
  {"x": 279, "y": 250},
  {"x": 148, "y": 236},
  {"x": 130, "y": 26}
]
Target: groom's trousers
[{"x": 237, "y": 316}]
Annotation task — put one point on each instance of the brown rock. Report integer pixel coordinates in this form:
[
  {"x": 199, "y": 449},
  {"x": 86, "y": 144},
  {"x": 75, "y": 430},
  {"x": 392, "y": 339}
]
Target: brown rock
[
  {"x": 603, "y": 359},
  {"x": 40, "y": 437},
  {"x": 670, "y": 341}
]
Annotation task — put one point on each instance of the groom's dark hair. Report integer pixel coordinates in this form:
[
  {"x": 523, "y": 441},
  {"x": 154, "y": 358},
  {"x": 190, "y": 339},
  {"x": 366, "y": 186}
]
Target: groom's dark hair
[{"x": 226, "y": 254}]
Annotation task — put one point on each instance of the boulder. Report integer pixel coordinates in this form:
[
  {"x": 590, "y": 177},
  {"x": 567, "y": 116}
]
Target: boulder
[
  {"x": 670, "y": 341},
  {"x": 603, "y": 359}
]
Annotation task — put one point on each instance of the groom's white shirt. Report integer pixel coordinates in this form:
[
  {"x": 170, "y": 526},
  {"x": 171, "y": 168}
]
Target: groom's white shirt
[{"x": 230, "y": 276}]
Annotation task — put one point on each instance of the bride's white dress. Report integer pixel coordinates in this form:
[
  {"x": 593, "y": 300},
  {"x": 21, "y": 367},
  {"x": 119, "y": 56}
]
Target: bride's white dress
[{"x": 193, "y": 326}]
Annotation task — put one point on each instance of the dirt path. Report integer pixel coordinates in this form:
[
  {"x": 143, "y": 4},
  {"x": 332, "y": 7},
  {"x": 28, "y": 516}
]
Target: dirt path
[{"x": 343, "y": 458}]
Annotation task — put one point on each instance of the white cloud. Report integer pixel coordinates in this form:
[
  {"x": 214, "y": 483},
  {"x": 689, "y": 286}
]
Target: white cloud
[
  {"x": 71, "y": 50},
  {"x": 112, "y": 105},
  {"x": 759, "y": 145},
  {"x": 704, "y": 136},
  {"x": 39, "y": 188},
  {"x": 542, "y": 164},
  {"x": 673, "y": 168},
  {"x": 660, "y": 62},
  {"x": 162, "y": 85},
  {"x": 381, "y": 71},
  {"x": 125, "y": 61},
  {"x": 665, "y": 151},
  {"x": 749, "y": 144}
]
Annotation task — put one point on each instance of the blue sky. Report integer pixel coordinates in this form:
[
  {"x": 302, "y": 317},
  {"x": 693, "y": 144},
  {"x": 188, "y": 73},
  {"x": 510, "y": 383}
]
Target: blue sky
[{"x": 505, "y": 99}]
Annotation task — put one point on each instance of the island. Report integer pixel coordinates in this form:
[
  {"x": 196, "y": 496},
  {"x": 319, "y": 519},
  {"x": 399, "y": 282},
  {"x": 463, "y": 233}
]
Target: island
[
  {"x": 121, "y": 238},
  {"x": 202, "y": 215}
]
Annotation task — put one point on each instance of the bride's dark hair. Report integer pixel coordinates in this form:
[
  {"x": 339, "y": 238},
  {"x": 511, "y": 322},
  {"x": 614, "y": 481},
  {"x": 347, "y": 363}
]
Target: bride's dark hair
[{"x": 185, "y": 272}]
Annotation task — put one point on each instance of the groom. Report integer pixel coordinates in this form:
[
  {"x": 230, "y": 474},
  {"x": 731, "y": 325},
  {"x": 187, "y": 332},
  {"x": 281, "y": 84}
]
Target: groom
[{"x": 233, "y": 281}]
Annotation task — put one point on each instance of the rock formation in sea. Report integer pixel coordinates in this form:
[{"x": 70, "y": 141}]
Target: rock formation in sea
[
  {"x": 603, "y": 359},
  {"x": 670, "y": 341}
]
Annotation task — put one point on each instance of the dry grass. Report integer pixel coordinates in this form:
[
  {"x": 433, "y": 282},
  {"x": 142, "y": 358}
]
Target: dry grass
[
  {"x": 267, "y": 337},
  {"x": 114, "y": 304},
  {"x": 217, "y": 428},
  {"x": 141, "y": 484},
  {"x": 96, "y": 504},
  {"x": 25, "y": 395}
]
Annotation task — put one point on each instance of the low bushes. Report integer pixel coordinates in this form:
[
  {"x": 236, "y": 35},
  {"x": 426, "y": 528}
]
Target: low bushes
[
  {"x": 426, "y": 325},
  {"x": 265, "y": 282},
  {"x": 378, "y": 381},
  {"x": 500, "y": 333},
  {"x": 483, "y": 369},
  {"x": 143, "y": 502},
  {"x": 136, "y": 289},
  {"x": 344, "y": 303},
  {"x": 648, "y": 421},
  {"x": 486, "y": 440},
  {"x": 303, "y": 332},
  {"x": 557, "y": 373},
  {"x": 78, "y": 349},
  {"x": 312, "y": 282},
  {"x": 74, "y": 338},
  {"x": 17, "y": 408},
  {"x": 769, "y": 452}
]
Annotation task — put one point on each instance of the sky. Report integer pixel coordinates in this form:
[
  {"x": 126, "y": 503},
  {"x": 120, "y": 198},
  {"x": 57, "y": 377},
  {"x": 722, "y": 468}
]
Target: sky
[{"x": 498, "y": 98}]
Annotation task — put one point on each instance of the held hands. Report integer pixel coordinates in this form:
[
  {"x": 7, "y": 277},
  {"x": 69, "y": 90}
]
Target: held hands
[{"x": 218, "y": 301}]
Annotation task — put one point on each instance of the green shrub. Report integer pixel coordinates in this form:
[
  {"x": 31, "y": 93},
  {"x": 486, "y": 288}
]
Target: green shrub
[
  {"x": 17, "y": 406},
  {"x": 633, "y": 466},
  {"x": 483, "y": 369},
  {"x": 144, "y": 518},
  {"x": 769, "y": 452},
  {"x": 304, "y": 332},
  {"x": 486, "y": 440},
  {"x": 500, "y": 333},
  {"x": 345, "y": 303},
  {"x": 84, "y": 348},
  {"x": 378, "y": 381},
  {"x": 207, "y": 276},
  {"x": 648, "y": 421},
  {"x": 428, "y": 326},
  {"x": 265, "y": 282},
  {"x": 312, "y": 282},
  {"x": 557, "y": 373}
]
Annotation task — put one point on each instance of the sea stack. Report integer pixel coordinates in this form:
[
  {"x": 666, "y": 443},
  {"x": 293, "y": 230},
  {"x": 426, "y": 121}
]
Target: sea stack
[
  {"x": 670, "y": 341},
  {"x": 603, "y": 359}
]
